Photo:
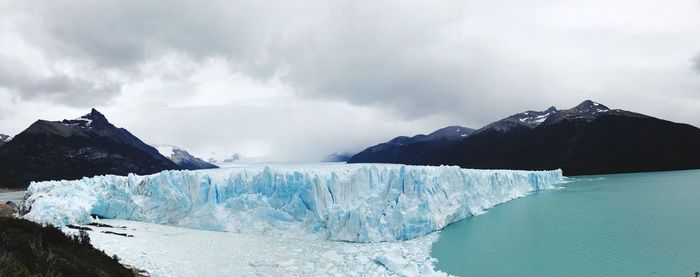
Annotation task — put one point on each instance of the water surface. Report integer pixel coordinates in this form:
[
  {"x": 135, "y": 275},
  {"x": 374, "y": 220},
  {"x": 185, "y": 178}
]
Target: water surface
[
  {"x": 14, "y": 196},
  {"x": 643, "y": 224}
]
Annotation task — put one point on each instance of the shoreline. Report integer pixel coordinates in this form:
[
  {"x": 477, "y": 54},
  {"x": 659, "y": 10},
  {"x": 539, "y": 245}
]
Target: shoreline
[{"x": 6, "y": 190}]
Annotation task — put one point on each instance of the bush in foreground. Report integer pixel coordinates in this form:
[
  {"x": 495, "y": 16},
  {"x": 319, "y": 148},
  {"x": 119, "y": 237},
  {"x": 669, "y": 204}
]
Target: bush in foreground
[{"x": 29, "y": 249}]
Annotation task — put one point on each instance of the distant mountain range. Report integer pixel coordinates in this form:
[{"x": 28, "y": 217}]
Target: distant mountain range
[
  {"x": 72, "y": 149},
  {"x": 224, "y": 157},
  {"x": 338, "y": 157},
  {"x": 412, "y": 150},
  {"x": 182, "y": 158},
  {"x": 587, "y": 139}
]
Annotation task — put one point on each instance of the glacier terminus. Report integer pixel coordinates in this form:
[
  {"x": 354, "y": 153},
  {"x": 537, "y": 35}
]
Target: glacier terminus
[{"x": 337, "y": 202}]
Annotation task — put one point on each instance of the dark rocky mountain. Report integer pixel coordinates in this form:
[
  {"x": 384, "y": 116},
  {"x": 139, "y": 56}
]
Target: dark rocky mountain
[
  {"x": 182, "y": 158},
  {"x": 587, "y": 139},
  {"x": 72, "y": 149},
  {"x": 412, "y": 150},
  {"x": 4, "y": 139}
]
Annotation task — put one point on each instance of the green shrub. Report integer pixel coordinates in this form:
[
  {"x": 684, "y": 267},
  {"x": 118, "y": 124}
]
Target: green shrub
[
  {"x": 29, "y": 249},
  {"x": 12, "y": 268}
]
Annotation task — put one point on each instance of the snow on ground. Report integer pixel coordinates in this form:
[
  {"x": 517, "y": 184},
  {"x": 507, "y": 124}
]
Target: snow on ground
[{"x": 172, "y": 251}]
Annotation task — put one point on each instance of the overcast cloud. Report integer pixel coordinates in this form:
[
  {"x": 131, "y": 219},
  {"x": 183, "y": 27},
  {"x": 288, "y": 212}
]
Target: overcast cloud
[{"x": 296, "y": 80}]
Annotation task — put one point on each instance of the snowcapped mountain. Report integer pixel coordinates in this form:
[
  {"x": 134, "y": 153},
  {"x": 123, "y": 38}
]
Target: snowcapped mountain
[
  {"x": 182, "y": 158},
  {"x": 450, "y": 133},
  {"x": 589, "y": 138},
  {"x": 588, "y": 111},
  {"x": 4, "y": 139},
  {"x": 528, "y": 119},
  {"x": 76, "y": 148},
  {"x": 407, "y": 149}
]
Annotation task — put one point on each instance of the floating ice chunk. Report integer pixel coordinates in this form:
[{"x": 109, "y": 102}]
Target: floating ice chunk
[{"x": 394, "y": 261}]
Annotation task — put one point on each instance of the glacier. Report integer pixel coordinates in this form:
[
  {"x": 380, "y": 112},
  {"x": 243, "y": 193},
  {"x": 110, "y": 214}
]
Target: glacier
[{"x": 338, "y": 202}]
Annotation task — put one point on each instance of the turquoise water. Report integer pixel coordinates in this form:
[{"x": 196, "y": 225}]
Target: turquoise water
[{"x": 643, "y": 224}]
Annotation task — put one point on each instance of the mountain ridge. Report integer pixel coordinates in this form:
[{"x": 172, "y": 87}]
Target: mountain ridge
[
  {"x": 69, "y": 149},
  {"x": 405, "y": 149},
  {"x": 587, "y": 139}
]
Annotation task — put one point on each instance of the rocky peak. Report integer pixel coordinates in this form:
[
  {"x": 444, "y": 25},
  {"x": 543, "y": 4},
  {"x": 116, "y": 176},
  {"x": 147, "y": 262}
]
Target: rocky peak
[
  {"x": 590, "y": 107},
  {"x": 450, "y": 133},
  {"x": 586, "y": 111},
  {"x": 90, "y": 120}
]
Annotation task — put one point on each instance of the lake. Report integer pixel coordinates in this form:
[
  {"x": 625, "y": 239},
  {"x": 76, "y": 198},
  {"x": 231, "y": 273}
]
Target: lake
[
  {"x": 13, "y": 196},
  {"x": 640, "y": 224}
]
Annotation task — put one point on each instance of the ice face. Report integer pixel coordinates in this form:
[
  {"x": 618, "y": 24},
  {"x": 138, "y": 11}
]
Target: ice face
[{"x": 358, "y": 203}]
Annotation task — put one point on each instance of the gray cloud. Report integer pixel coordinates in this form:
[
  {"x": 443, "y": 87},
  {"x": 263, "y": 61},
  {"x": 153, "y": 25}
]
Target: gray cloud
[
  {"x": 363, "y": 53},
  {"x": 463, "y": 62},
  {"x": 56, "y": 87},
  {"x": 408, "y": 56},
  {"x": 124, "y": 34},
  {"x": 696, "y": 63}
]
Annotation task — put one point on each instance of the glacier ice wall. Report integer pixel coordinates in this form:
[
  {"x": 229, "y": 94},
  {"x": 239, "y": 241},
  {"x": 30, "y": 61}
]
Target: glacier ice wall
[{"x": 360, "y": 203}]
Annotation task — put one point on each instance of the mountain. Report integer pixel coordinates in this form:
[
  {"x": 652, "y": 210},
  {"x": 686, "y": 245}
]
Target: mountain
[
  {"x": 182, "y": 158},
  {"x": 336, "y": 157},
  {"x": 524, "y": 120},
  {"x": 587, "y": 139},
  {"x": 4, "y": 139},
  {"x": 72, "y": 149},
  {"x": 411, "y": 150}
]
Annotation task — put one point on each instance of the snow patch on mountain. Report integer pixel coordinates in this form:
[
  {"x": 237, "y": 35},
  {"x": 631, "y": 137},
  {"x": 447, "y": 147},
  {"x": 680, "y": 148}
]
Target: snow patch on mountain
[
  {"x": 80, "y": 122},
  {"x": 85, "y": 121},
  {"x": 359, "y": 203},
  {"x": 165, "y": 149},
  {"x": 4, "y": 139},
  {"x": 528, "y": 119}
]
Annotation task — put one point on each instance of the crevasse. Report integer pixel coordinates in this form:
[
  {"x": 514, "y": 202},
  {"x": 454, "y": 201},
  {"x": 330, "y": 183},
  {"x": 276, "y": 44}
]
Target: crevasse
[{"x": 359, "y": 203}]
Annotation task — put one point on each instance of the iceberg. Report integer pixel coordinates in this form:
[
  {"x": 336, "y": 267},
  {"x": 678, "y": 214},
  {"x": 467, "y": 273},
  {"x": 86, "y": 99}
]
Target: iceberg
[{"x": 339, "y": 202}]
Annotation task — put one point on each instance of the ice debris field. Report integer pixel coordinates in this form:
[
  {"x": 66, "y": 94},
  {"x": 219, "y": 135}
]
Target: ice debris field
[
  {"x": 280, "y": 220},
  {"x": 172, "y": 251}
]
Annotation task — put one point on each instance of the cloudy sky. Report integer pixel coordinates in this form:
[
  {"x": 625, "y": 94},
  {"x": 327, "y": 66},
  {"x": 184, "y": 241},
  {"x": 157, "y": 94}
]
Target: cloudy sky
[{"x": 296, "y": 80}]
